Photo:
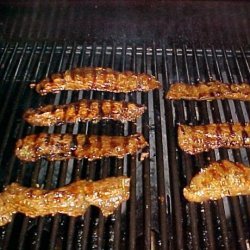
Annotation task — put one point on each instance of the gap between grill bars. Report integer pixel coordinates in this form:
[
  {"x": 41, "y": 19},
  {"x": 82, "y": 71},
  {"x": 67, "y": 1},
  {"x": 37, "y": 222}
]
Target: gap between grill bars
[{"x": 156, "y": 216}]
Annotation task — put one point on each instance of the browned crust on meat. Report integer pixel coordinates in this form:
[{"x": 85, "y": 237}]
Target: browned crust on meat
[
  {"x": 209, "y": 91},
  {"x": 65, "y": 146},
  {"x": 102, "y": 79},
  {"x": 197, "y": 139},
  {"x": 84, "y": 111},
  {"x": 73, "y": 199},
  {"x": 220, "y": 179}
]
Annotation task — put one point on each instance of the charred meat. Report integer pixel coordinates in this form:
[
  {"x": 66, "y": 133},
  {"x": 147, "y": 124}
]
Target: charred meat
[
  {"x": 197, "y": 139},
  {"x": 73, "y": 199},
  {"x": 220, "y": 179},
  {"x": 84, "y": 111},
  {"x": 209, "y": 91},
  {"x": 65, "y": 146},
  {"x": 101, "y": 79}
]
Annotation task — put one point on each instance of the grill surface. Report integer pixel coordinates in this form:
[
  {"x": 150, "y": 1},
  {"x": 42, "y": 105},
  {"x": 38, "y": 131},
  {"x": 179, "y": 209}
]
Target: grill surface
[{"x": 157, "y": 215}]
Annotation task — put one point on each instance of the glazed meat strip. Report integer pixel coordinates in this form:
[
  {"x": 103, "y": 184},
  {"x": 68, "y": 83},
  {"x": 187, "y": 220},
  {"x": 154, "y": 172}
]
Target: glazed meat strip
[
  {"x": 102, "y": 79},
  {"x": 73, "y": 199},
  {"x": 65, "y": 146},
  {"x": 209, "y": 91},
  {"x": 220, "y": 179},
  {"x": 83, "y": 111},
  {"x": 197, "y": 139}
]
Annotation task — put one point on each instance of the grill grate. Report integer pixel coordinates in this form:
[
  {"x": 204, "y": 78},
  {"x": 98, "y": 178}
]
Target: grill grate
[{"x": 157, "y": 215}]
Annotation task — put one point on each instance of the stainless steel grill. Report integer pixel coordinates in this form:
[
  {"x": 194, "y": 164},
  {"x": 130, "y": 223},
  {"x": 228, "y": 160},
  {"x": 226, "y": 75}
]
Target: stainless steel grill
[{"x": 156, "y": 215}]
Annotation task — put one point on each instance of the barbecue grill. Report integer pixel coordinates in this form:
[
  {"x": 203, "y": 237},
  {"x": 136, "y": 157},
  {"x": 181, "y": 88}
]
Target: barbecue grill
[{"x": 156, "y": 216}]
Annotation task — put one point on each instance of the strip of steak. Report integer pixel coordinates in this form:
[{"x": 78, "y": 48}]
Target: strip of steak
[
  {"x": 197, "y": 139},
  {"x": 65, "y": 146},
  {"x": 209, "y": 91},
  {"x": 102, "y": 79},
  {"x": 84, "y": 111},
  {"x": 220, "y": 179},
  {"x": 73, "y": 199}
]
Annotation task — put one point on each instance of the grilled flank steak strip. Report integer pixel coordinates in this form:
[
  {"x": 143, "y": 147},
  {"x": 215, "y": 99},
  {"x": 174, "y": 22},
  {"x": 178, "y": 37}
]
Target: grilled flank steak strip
[
  {"x": 220, "y": 179},
  {"x": 197, "y": 139},
  {"x": 83, "y": 111},
  {"x": 209, "y": 91},
  {"x": 102, "y": 79},
  {"x": 65, "y": 146},
  {"x": 73, "y": 199}
]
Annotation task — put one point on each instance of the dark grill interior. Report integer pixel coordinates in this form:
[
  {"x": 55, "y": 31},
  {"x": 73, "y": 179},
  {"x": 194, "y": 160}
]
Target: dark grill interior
[
  {"x": 216, "y": 22},
  {"x": 156, "y": 215}
]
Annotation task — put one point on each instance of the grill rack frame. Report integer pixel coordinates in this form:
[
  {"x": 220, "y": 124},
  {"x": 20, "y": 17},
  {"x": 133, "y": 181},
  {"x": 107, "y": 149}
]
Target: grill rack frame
[{"x": 172, "y": 223}]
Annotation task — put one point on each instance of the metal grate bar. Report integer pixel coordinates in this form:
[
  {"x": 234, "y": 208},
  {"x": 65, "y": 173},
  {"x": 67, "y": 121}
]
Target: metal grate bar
[
  {"x": 201, "y": 162},
  {"x": 219, "y": 208},
  {"x": 224, "y": 106},
  {"x": 119, "y": 168},
  {"x": 174, "y": 165},
  {"x": 193, "y": 120},
  {"x": 162, "y": 197},
  {"x": 239, "y": 156},
  {"x": 132, "y": 167},
  {"x": 235, "y": 201}
]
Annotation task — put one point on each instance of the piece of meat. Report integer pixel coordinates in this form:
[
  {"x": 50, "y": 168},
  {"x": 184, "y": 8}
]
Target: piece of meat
[
  {"x": 84, "y": 111},
  {"x": 220, "y": 179},
  {"x": 102, "y": 79},
  {"x": 65, "y": 146},
  {"x": 209, "y": 91},
  {"x": 73, "y": 199},
  {"x": 197, "y": 139}
]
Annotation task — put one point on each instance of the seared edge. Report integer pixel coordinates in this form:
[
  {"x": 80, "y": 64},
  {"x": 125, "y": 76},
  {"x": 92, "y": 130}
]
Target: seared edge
[
  {"x": 218, "y": 180},
  {"x": 202, "y": 138},
  {"x": 65, "y": 146},
  {"x": 84, "y": 111},
  {"x": 102, "y": 79},
  {"x": 73, "y": 199},
  {"x": 209, "y": 91}
]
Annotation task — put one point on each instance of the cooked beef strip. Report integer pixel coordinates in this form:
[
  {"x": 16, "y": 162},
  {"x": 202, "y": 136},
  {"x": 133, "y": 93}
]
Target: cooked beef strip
[
  {"x": 218, "y": 180},
  {"x": 102, "y": 79},
  {"x": 65, "y": 146},
  {"x": 202, "y": 138},
  {"x": 209, "y": 91},
  {"x": 83, "y": 111},
  {"x": 73, "y": 199}
]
